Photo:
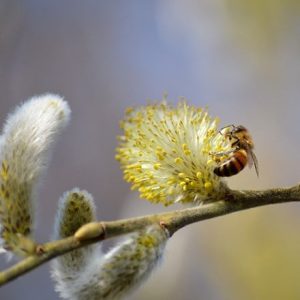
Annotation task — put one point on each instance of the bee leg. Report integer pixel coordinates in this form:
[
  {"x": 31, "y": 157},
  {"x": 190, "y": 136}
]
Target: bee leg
[
  {"x": 222, "y": 153},
  {"x": 236, "y": 143}
]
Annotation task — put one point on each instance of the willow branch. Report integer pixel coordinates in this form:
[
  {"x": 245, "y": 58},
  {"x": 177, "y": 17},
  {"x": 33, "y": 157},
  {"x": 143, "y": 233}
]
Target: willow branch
[{"x": 173, "y": 221}]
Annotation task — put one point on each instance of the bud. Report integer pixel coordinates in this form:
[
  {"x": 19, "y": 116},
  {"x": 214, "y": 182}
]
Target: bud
[
  {"x": 76, "y": 208},
  {"x": 124, "y": 268}
]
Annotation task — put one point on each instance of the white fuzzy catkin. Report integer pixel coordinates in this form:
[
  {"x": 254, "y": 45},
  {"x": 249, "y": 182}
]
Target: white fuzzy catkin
[
  {"x": 128, "y": 265},
  {"x": 114, "y": 275},
  {"x": 75, "y": 209},
  {"x": 27, "y": 139}
]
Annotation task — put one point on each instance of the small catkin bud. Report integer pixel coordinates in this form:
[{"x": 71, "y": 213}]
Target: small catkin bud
[
  {"x": 123, "y": 268},
  {"x": 76, "y": 208},
  {"x": 27, "y": 139},
  {"x": 89, "y": 231}
]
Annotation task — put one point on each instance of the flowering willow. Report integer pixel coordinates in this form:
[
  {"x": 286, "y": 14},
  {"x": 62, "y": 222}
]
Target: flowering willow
[
  {"x": 26, "y": 143},
  {"x": 88, "y": 273},
  {"x": 166, "y": 153},
  {"x": 85, "y": 273}
]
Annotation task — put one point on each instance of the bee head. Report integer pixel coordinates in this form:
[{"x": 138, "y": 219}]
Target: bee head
[{"x": 239, "y": 129}]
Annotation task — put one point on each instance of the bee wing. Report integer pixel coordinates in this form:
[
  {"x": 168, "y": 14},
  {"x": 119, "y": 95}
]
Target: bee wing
[{"x": 252, "y": 160}]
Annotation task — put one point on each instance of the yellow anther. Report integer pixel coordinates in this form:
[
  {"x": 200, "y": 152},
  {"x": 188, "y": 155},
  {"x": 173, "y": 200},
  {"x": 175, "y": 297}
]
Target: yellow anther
[
  {"x": 142, "y": 189},
  {"x": 187, "y": 152},
  {"x": 128, "y": 110},
  {"x": 156, "y": 166},
  {"x": 199, "y": 175},
  {"x": 178, "y": 160},
  {"x": 208, "y": 185},
  {"x": 118, "y": 157},
  {"x": 210, "y": 162},
  {"x": 131, "y": 178},
  {"x": 171, "y": 191},
  {"x": 171, "y": 181},
  {"x": 134, "y": 187},
  {"x": 192, "y": 184},
  {"x": 185, "y": 147}
]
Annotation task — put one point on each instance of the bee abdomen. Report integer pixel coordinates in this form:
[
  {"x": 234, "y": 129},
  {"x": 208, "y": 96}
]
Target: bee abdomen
[{"x": 233, "y": 164}]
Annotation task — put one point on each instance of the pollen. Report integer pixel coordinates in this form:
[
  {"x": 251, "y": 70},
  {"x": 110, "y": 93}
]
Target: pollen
[
  {"x": 208, "y": 185},
  {"x": 4, "y": 170},
  {"x": 181, "y": 175},
  {"x": 165, "y": 151},
  {"x": 210, "y": 162},
  {"x": 198, "y": 175},
  {"x": 178, "y": 160},
  {"x": 156, "y": 166}
]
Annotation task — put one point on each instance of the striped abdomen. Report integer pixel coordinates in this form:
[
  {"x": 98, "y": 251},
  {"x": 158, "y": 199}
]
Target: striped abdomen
[{"x": 233, "y": 165}]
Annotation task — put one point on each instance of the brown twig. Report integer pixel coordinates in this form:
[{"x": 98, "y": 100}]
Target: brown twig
[{"x": 173, "y": 221}]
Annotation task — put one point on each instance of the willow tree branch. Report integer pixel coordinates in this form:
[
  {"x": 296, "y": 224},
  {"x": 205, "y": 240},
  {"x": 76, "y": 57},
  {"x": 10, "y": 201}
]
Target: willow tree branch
[{"x": 173, "y": 221}]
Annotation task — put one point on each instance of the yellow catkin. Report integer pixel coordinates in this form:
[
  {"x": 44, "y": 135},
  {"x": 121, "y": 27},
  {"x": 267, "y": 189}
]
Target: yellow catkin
[{"x": 166, "y": 153}]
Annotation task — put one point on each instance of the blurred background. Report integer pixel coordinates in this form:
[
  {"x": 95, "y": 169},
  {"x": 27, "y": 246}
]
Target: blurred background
[{"x": 241, "y": 58}]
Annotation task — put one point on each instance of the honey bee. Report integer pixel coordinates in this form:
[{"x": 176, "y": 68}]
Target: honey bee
[{"x": 241, "y": 153}]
